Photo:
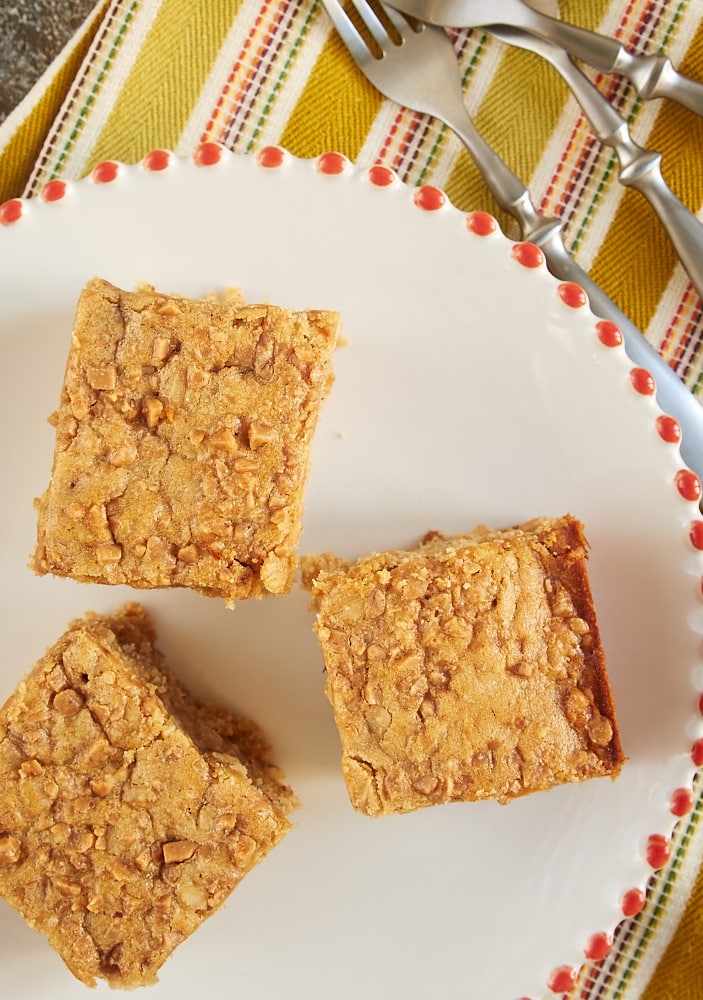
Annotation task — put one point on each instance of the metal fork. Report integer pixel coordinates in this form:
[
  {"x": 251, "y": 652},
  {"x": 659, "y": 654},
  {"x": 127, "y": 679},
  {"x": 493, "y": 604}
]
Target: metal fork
[
  {"x": 419, "y": 69},
  {"x": 651, "y": 75},
  {"x": 640, "y": 168}
]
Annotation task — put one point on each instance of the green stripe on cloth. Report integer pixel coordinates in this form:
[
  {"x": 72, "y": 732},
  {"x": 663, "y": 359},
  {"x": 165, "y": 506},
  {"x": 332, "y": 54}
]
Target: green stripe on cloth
[
  {"x": 277, "y": 85},
  {"x": 652, "y": 917},
  {"x": 170, "y": 70},
  {"x": 677, "y": 975},
  {"x": 336, "y": 109},
  {"x": 18, "y": 157}
]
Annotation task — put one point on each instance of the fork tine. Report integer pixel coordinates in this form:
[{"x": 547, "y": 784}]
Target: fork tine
[
  {"x": 399, "y": 21},
  {"x": 348, "y": 31},
  {"x": 373, "y": 23}
]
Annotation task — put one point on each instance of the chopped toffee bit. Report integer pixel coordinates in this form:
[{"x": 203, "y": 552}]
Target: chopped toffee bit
[
  {"x": 128, "y": 813},
  {"x": 183, "y": 441},
  {"x": 468, "y": 668}
]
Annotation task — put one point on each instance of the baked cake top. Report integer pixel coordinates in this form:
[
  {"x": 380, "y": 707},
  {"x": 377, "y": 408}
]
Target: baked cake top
[
  {"x": 468, "y": 668},
  {"x": 128, "y": 813},
  {"x": 183, "y": 441}
]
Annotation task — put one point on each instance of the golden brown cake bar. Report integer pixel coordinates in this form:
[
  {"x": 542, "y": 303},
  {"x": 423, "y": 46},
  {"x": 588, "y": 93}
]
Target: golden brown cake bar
[
  {"x": 468, "y": 668},
  {"x": 128, "y": 813},
  {"x": 183, "y": 442}
]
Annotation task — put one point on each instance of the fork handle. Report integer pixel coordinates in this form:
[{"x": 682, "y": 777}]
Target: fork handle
[
  {"x": 515, "y": 199},
  {"x": 655, "y": 76},
  {"x": 651, "y": 75},
  {"x": 505, "y": 186},
  {"x": 639, "y": 168},
  {"x": 672, "y": 395}
]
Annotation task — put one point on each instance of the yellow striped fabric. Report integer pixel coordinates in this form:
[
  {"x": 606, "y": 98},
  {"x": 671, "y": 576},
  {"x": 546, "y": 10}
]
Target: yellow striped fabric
[
  {"x": 146, "y": 74},
  {"x": 635, "y": 232},
  {"x": 173, "y": 63},
  {"x": 521, "y": 83},
  {"x": 334, "y": 93},
  {"x": 21, "y": 151},
  {"x": 678, "y": 975}
]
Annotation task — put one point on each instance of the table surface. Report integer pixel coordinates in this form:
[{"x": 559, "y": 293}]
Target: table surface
[{"x": 32, "y": 33}]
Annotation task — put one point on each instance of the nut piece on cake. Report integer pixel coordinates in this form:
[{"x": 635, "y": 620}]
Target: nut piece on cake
[
  {"x": 183, "y": 441},
  {"x": 128, "y": 813},
  {"x": 469, "y": 668}
]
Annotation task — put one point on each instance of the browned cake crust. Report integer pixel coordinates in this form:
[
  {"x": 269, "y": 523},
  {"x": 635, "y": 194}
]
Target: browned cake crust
[
  {"x": 128, "y": 813},
  {"x": 183, "y": 442},
  {"x": 468, "y": 668}
]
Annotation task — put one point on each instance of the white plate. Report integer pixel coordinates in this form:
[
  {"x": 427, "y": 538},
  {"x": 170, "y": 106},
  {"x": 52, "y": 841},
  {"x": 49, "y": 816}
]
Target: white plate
[{"x": 468, "y": 392}]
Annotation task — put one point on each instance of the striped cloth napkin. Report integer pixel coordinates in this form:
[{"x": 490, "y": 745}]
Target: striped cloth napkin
[{"x": 147, "y": 74}]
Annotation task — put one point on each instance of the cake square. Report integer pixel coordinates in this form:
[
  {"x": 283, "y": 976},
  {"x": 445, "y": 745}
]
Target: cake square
[
  {"x": 128, "y": 812},
  {"x": 468, "y": 668},
  {"x": 183, "y": 439}
]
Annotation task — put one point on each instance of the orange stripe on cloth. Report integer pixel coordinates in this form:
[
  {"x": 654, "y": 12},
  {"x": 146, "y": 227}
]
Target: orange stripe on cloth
[
  {"x": 18, "y": 157},
  {"x": 161, "y": 90},
  {"x": 268, "y": 64},
  {"x": 336, "y": 109},
  {"x": 636, "y": 235},
  {"x": 237, "y": 90},
  {"x": 413, "y": 145}
]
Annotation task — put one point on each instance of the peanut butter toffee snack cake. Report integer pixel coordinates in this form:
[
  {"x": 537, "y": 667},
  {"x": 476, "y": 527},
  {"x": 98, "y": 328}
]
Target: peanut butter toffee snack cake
[
  {"x": 128, "y": 812},
  {"x": 468, "y": 668},
  {"x": 183, "y": 440}
]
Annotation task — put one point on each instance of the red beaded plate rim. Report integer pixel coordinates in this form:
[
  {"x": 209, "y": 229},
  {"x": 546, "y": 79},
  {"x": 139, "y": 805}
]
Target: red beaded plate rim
[{"x": 430, "y": 199}]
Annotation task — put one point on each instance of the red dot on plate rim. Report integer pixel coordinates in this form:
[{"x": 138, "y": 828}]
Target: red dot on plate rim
[
  {"x": 157, "y": 159},
  {"x": 572, "y": 295},
  {"x": 332, "y": 163},
  {"x": 668, "y": 428},
  {"x": 658, "y": 850},
  {"x": 681, "y": 802},
  {"x": 700, "y": 704},
  {"x": 53, "y": 190},
  {"x": 697, "y": 753},
  {"x": 696, "y": 534},
  {"x": 208, "y": 154},
  {"x": 642, "y": 381},
  {"x": 633, "y": 902},
  {"x": 598, "y": 946},
  {"x": 270, "y": 157},
  {"x": 481, "y": 223},
  {"x": 380, "y": 175},
  {"x": 429, "y": 198},
  {"x": 11, "y": 211},
  {"x": 527, "y": 254},
  {"x": 105, "y": 172},
  {"x": 688, "y": 484},
  {"x": 608, "y": 333},
  {"x": 562, "y": 978}
]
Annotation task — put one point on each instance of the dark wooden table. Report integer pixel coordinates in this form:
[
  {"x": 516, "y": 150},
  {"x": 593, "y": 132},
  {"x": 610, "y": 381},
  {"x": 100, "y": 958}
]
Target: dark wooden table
[{"x": 32, "y": 33}]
